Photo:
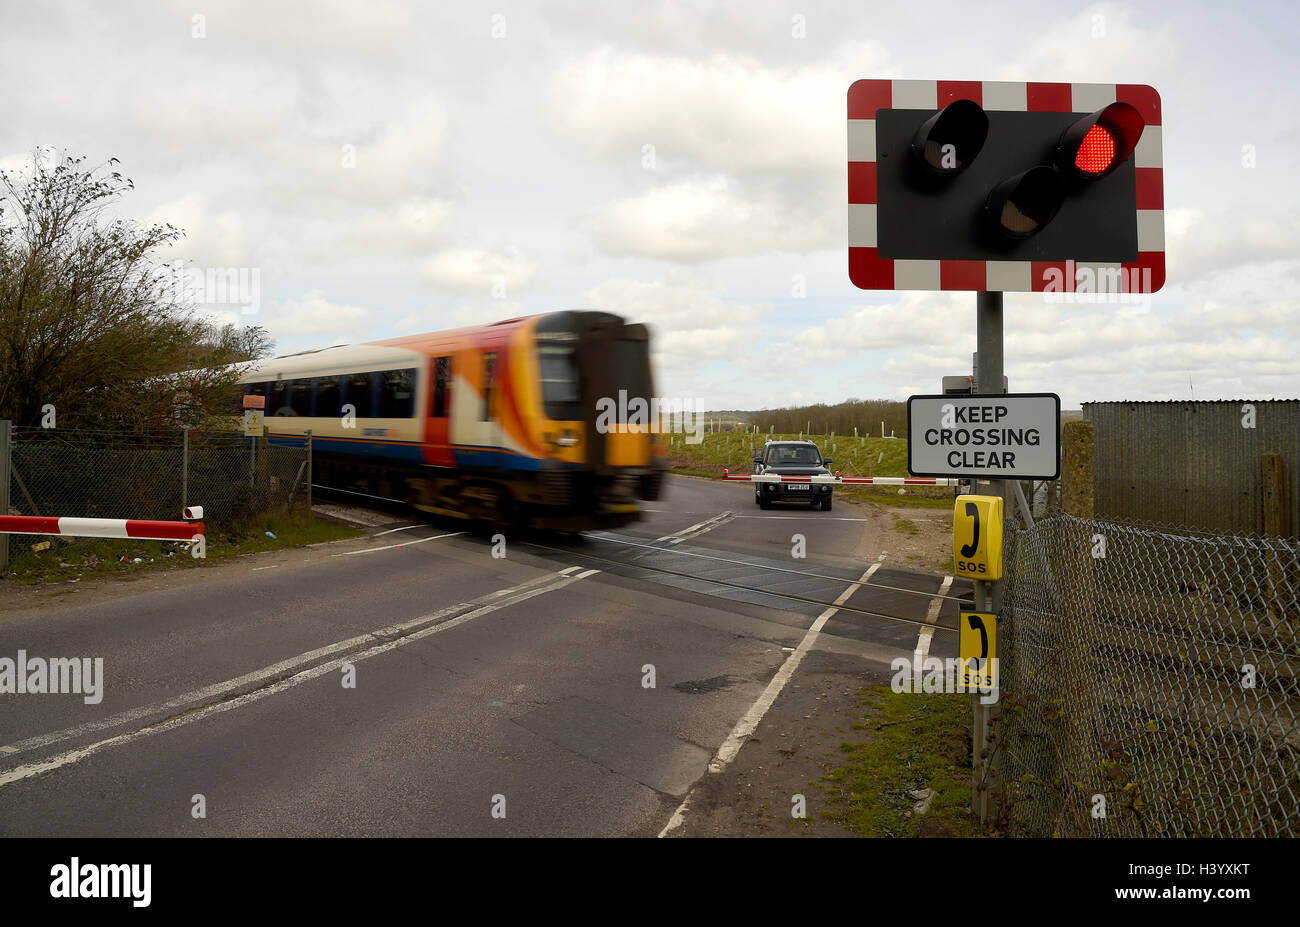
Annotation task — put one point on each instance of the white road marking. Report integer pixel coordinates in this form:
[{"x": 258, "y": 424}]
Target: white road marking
[
  {"x": 372, "y": 550},
  {"x": 927, "y": 632},
  {"x": 271, "y": 567},
  {"x": 278, "y": 669},
  {"x": 749, "y": 723},
  {"x": 698, "y": 528},
  {"x": 585, "y": 573},
  {"x": 798, "y": 514},
  {"x": 403, "y": 528},
  {"x": 569, "y": 570},
  {"x": 667, "y": 537}
]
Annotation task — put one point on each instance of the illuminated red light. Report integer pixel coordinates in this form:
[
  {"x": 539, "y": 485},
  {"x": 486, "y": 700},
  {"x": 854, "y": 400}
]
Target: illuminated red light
[{"x": 1096, "y": 151}]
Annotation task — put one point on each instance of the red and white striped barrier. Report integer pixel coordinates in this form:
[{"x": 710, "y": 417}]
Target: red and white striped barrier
[
  {"x": 842, "y": 480},
  {"x": 135, "y": 528}
]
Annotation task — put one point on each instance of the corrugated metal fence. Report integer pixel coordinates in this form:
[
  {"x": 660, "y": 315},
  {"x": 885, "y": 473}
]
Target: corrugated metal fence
[{"x": 1196, "y": 464}]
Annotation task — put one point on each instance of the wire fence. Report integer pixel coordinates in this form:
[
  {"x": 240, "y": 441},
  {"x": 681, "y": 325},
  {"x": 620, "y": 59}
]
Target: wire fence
[
  {"x": 1149, "y": 682},
  {"x": 151, "y": 475}
]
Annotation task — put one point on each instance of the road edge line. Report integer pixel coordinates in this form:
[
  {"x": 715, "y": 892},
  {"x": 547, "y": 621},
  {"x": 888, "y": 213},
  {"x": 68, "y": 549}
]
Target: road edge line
[{"x": 753, "y": 717}]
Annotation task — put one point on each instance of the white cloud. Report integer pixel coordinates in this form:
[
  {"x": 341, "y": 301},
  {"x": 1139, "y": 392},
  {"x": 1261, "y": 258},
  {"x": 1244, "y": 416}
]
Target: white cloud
[
  {"x": 770, "y": 29},
  {"x": 409, "y": 229},
  {"x": 464, "y": 315},
  {"x": 914, "y": 316},
  {"x": 313, "y": 315},
  {"x": 1084, "y": 352},
  {"x": 1202, "y": 244},
  {"x": 337, "y": 169},
  {"x": 476, "y": 270},
  {"x": 213, "y": 238},
  {"x": 697, "y": 220},
  {"x": 690, "y": 323},
  {"x": 718, "y": 112},
  {"x": 1097, "y": 44}
]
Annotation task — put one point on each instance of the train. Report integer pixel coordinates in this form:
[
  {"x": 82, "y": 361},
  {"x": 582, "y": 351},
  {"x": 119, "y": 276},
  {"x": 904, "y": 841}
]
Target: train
[{"x": 494, "y": 423}]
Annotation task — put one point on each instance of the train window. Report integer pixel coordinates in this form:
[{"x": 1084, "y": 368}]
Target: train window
[
  {"x": 441, "y": 378},
  {"x": 489, "y": 376},
  {"x": 329, "y": 391},
  {"x": 300, "y": 396},
  {"x": 359, "y": 394},
  {"x": 559, "y": 372},
  {"x": 396, "y": 393},
  {"x": 277, "y": 400}
]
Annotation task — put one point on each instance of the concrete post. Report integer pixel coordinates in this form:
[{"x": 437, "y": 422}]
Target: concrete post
[{"x": 1077, "y": 620}]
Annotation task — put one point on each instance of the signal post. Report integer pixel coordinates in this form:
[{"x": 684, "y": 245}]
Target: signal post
[{"x": 992, "y": 186}]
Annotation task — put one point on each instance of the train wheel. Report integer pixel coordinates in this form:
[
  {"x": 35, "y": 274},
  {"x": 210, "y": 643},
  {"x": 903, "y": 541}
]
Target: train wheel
[{"x": 507, "y": 513}]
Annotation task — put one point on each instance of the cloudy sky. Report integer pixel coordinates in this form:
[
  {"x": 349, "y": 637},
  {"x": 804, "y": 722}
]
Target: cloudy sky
[{"x": 391, "y": 167}]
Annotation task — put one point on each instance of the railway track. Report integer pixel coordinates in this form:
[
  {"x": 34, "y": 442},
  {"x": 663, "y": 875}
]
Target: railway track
[{"x": 724, "y": 574}]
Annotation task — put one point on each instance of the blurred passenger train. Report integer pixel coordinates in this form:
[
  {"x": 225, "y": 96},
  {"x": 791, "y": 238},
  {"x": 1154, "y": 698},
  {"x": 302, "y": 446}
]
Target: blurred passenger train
[{"x": 495, "y": 422}]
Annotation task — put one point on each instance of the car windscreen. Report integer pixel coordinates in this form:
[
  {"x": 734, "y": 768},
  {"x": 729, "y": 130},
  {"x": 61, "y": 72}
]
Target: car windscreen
[{"x": 796, "y": 456}]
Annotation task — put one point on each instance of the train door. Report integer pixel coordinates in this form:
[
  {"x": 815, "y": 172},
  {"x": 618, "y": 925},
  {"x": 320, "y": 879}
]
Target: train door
[{"x": 438, "y": 449}]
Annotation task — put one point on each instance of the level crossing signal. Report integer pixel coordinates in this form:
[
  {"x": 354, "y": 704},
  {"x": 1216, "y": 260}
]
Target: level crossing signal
[{"x": 1002, "y": 186}]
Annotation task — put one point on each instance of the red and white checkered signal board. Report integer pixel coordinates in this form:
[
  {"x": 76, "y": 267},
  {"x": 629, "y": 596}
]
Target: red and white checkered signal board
[{"x": 869, "y": 270}]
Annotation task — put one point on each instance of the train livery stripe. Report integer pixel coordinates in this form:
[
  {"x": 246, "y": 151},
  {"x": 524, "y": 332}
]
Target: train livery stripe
[{"x": 411, "y": 452}]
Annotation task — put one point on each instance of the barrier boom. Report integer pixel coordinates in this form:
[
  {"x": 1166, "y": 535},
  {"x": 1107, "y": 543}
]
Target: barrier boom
[
  {"x": 138, "y": 529},
  {"x": 841, "y": 480}
]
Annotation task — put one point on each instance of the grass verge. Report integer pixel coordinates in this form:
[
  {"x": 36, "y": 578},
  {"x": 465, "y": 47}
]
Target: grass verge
[
  {"x": 910, "y": 742},
  {"x": 71, "y": 559}
]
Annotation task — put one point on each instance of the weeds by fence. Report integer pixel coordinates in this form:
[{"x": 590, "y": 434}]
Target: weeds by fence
[
  {"x": 1149, "y": 682},
  {"x": 150, "y": 475}
]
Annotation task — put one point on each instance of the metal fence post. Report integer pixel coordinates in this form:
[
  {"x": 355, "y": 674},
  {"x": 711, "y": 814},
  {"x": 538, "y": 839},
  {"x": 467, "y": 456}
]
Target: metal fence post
[
  {"x": 185, "y": 469},
  {"x": 1273, "y": 477},
  {"x": 988, "y": 596},
  {"x": 308, "y": 471},
  {"x": 4, "y": 487}
]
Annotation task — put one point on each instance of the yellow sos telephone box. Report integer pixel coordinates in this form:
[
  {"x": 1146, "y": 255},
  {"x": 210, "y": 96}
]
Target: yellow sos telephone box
[
  {"x": 978, "y": 648},
  {"x": 977, "y": 537}
]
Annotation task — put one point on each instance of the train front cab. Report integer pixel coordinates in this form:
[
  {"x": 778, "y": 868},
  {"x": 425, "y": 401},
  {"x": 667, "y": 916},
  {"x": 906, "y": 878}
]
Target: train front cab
[{"x": 597, "y": 465}]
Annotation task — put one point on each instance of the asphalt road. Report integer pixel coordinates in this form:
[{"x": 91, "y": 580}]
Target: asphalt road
[{"x": 500, "y": 696}]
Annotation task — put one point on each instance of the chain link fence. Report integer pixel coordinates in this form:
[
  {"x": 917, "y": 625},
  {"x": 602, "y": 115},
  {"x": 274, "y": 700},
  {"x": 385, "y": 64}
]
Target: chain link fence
[
  {"x": 86, "y": 474},
  {"x": 1149, "y": 682}
]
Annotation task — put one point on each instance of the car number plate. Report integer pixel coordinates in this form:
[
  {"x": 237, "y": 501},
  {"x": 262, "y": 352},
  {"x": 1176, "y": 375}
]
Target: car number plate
[{"x": 797, "y": 486}]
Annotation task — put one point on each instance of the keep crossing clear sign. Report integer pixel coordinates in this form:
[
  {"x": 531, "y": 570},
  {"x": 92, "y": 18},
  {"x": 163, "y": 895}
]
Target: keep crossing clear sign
[{"x": 1002, "y": 436}]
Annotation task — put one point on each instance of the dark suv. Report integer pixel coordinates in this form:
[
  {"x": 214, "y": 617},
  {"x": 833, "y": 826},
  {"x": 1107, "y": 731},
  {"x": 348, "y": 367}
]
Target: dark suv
[{"x": 792, "y": 458}]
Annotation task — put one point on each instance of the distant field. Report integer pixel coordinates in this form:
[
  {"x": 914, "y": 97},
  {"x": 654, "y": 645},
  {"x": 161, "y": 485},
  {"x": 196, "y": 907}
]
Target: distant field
[{"x": 852, "y": 456}]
